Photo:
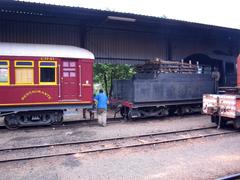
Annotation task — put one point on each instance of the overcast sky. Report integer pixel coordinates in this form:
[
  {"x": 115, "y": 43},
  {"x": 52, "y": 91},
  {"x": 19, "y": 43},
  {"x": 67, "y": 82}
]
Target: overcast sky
[{"x": 215, "y": 12}]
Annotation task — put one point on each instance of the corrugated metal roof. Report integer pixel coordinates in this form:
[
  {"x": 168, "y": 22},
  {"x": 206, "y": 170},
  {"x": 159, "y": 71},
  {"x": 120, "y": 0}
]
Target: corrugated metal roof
[
  {"x": 139, "y": 17},
  {"x": 111, "y": 41},
  {"x": 44, "y": 50}
]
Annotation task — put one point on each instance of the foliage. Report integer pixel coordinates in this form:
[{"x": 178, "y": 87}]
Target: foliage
[{"x": 106, "y": 73}]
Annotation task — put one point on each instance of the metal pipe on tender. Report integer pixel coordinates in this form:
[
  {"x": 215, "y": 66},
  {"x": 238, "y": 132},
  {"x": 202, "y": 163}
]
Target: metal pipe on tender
[
  {"x": 190, "y": 63},
  {"x": 238, "y": 71}
]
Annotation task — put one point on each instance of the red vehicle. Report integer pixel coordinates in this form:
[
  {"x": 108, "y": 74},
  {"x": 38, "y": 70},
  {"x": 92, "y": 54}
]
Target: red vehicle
[
  {"x": 38, "y": 82},
  {"x": 226, "y": 106}
]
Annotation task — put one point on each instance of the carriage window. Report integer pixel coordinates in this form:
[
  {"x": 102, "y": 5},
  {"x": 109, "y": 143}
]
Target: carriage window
[
  {"x": 24, "y": 72},
  {"x": 4, "y": 72},
  {"x": 47, "y": 71}
]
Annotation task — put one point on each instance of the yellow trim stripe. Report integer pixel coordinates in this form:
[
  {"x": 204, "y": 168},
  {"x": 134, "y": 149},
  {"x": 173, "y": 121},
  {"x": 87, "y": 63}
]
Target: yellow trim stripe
[
  {"x": 24, "y": 85},
  {"x": 39, "y": 64},
  {"x": 34, "y": 85},
  {"x": 7, "y": 61},
  {"x": 31, "y": 61},
  {"x": 43, "y": 103}
]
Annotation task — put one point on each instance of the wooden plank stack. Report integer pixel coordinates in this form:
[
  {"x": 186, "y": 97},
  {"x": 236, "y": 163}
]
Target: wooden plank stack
[{"x": 163, "y": 66}]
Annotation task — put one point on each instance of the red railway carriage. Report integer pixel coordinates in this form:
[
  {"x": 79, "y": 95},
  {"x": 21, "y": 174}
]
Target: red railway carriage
[{"x": 38, "y": 82}]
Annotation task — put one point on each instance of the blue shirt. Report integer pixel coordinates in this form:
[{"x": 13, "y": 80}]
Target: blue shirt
[{"x": 102, "y": 100}]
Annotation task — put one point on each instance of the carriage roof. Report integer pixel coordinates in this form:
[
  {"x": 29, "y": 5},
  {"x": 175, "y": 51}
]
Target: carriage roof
[{"x": 43, "y": 50}]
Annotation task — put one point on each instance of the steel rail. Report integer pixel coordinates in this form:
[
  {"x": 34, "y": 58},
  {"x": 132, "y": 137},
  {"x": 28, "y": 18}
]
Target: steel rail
[
  {"x": 123, "y": 146},
  {"x": 106, "y": 139},
  {"x": 230, "y": 177}
]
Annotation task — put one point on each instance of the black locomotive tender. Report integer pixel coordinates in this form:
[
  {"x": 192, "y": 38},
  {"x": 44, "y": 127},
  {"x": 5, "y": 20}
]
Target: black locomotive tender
[{"x": 161, "y": 88}]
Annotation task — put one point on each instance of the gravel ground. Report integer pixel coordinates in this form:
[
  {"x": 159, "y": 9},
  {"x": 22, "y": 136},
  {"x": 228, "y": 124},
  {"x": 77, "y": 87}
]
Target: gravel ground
[
  {"x": 117, "y": 143},
  {"x": 207, "y": 158},
  {"x": 28, "y": 137}
]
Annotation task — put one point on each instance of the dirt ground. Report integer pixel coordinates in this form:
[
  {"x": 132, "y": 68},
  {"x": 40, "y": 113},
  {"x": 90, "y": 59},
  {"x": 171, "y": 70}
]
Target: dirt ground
[
  {"x": 35, "y": 136},
  {"x": 206, "y": 158}
]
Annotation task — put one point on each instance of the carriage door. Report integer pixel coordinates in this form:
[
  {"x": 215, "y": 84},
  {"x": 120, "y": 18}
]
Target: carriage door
[{"x": 69, "y": 80}]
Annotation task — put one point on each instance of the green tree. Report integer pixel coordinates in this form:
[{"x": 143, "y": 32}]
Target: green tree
[{"x": 106, "y": 73}]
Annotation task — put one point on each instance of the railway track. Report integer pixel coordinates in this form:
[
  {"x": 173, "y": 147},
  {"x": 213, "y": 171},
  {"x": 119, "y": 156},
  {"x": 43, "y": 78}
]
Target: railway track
[
  {"x": 230, "y": 177},
  {"x": 100, "y": 145}
]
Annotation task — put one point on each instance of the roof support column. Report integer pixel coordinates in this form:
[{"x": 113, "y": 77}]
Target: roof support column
[
  {"x": 83, "y": 32},
  {"x": 169, "y": 49}
]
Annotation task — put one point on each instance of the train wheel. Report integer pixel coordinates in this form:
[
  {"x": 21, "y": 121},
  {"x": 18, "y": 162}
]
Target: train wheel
[
  {"x": 124, "y": 112},
  {"x": 133, "y": 113},
  {"x": 172, "y": 111},
  {"x": 11, "y": 122},
  {"x": 57, "y": 118},
  {"x": 179, "y": 112},
  {"x": 236, "y": 123},
  {"x": 215, "y": 119},
  {"x": 223, "y": 123}
]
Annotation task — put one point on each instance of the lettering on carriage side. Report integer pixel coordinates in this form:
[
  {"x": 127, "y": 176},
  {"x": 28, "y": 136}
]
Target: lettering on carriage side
[
  {"x": 29, "y": 93},
  {"x": 47, "y": 59}
]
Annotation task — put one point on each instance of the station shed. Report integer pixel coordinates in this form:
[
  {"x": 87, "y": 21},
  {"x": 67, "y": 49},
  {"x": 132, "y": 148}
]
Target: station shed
[{"x": 121, "y": 38}]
